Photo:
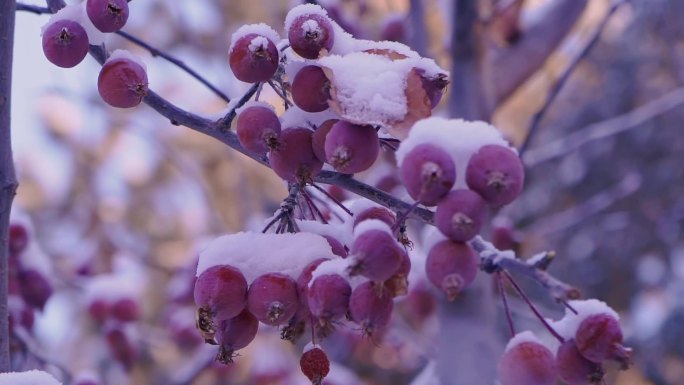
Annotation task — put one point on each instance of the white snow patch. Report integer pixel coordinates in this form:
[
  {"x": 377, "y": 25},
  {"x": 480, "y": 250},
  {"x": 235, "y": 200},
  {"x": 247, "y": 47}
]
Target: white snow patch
[
  {"x": 526, "y": 336},
  {"x": 337, "y": 265},
  {"x": 125, "y": 54},
  {"x": 256, "y": 253},
  {"x": 370, "y": 225},
  {"x": 460, "y": 138},
  {"x": 368, "y": 87},
  {"x": 111, "y": 288},
  {"x": 258, "y": 43},
  {"x": 304, "y": 10},
  {"x": 95, "y": 36},
  {"x": 296, "y": 117},
  {"x": 311, "y": 26},
  {"x": 260, "y": 29},
  {"x": 31, "y": 377},
  {"x": 567, "y": 326},
  {"x": 254, "y": 103}
]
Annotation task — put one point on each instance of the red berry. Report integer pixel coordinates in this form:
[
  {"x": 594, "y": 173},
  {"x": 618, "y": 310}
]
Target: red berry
[
  {"x": 310, "y": 34},
  {"x": 428, "y": 172},
  {"x": 253, "y": 58},
  {"x": 311, "y": 89},
  {"x": 18, "y": 239},
  {"x": 377, "y": 254},
  {"x": 351, "y": 148},
  {"x": 294, "y": 159},
  {"x": 315, "y": 365},
  {"x": 574, "y": 369},
  {"x": 220, "y": 293},
  {"x": 122, "y": 82},
  {"x": 496, "y": 173},
  {"x": 599, "y": 338},
  {"x": 460, "y": 215},
  {"x": 235, "y": 334},
  {"x": 258, "y": 129},
  {"x": 272, "y": 298},
  {"x": 451, "y": 267},
  {"x": 125, "y": 310}
]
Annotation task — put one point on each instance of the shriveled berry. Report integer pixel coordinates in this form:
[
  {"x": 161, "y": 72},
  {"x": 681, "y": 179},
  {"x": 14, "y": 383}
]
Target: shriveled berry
[
  {"x": 459, "y": 216},
  {"x": 315, "y": 365},
  {"x": 65, "y": 43}
]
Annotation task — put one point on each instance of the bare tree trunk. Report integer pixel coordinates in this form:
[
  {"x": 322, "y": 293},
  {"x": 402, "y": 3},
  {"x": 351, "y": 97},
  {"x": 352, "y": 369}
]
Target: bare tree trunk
[
  {"x": 8, "y": 180},
  {"x": 468, "y": 99}
]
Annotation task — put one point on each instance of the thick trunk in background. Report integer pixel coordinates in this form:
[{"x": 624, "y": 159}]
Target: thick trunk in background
[{"x": 8, "y": 181}]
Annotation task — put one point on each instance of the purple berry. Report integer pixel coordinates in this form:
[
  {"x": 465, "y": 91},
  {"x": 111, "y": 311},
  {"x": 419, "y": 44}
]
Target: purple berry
[
  {"x": 528, "y": 363},
  {"x": 18, "y": 239},
  {"x": 336, "y": 246},
  {"x": 351, "y": 148},
  {"x": 107, "y": 15},
  {"x": 272, "y": 298},
  {"x": 328, "y": 299},
  {"x": 253, "y": 58},
  {"x": 65, "y": 43},
  {"x": 315, "y": 365},
  {"x": 459, "y": 216},
  {"x": 258, "y": 129},
  {"x": 318, "y": 139},
  {"x": 371, "y": 307},
  {"x": 379, "y": 213},
  {"x": 428, "y": 172},
  {"x": 234, "y": 334},
  {"x": 451, "y": 267},
  {"x": 574, "y": 369},
  {"x": 496, "y": 173},
  {"x": 311, "y": 89},
  {"x": 220, "y": 294},
  {"x": 599, "y": 338},
  {"x": 122, "y": 83},
  {"x": 310, "y": 35},
  {"x": 125, "y": 310},
  {"x": 121, "y": 348},
  {"x": 377, "y": 254},
  {"x": 294, "y": 159},
  {"x": 34, "y": 288}
]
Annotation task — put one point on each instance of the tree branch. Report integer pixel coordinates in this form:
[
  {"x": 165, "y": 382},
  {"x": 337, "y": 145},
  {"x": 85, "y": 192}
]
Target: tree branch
[
  {"x": 555, "y": 89},
  {"x": 511, "y": 66},
  {"x": 8, "y": 179}
]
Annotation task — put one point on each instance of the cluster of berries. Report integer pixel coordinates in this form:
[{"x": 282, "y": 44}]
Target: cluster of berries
[{"x": 66, "y": 38}]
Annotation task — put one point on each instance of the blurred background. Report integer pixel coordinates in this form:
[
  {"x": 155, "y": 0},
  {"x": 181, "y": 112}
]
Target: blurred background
[{"x": 118, "y": 202}]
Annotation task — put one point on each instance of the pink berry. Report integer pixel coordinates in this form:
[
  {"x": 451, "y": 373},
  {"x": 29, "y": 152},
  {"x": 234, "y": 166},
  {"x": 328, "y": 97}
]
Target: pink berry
[
  {"x": 528, "y": 363},
  {"x": 328, "y": 298},
  {"x": 294, "y": 159},
  {"x": 315, "y": 365},
  {"x": 371, "y": 307},
  {"x": 377, "y": 254},
  {"x": 65, "y": 43},
  {"x": 311, "y": 89},
  {"x": 451, "y": 267},
  {"x": 310, "y": 35},
  {"x": 599, "y": 338},
  {"x": 34, "y": 288},
  {"x": 272, "y": 298},
  {"x": 253, "y": 58},
  {"x": 107, "y": 15},
  {"x": 125, "y": 310},
  {"x": 258, "y": 129},
  {"x": 496, "y": 173},
  {"x": 574, "y": 369},
  {"x": 99, "y": 310},
  {"x": 220, "y": 294},
  {"x": 234, "y": 334},
  {"x": 428, "y": 172},
  {"x": 122, "y": 83},
  {"x": 318, "y": 138},
  {"x": 351, "y": 148},
  {"x": 459, "y": 216}
]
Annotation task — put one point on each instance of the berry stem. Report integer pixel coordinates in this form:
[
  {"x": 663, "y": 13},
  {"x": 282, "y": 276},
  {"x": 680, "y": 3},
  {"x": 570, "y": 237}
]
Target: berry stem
[
  {"x": 533, "y": 308},
  {"x": 332, "y": 198},
  {"x": 507, "y": 310},
  {"x": 280, "y": 93}
]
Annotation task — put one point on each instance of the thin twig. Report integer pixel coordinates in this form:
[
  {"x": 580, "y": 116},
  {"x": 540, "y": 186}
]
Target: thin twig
[
  {"x": 532, "y": 307},
  {"x": 179, "y": 63},
  {"x": 565, "y": 75},
  {"x": 507, "y": 310},
  {"x": 600, "y": 130}
]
